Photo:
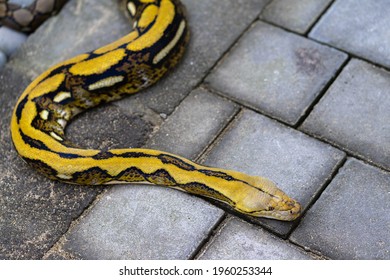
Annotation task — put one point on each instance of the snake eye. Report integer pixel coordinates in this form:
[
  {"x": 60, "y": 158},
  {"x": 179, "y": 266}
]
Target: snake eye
[{"x": 271, "y": 208}]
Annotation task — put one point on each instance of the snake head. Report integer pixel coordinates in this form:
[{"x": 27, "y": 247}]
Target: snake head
[{"x": 268, "y": 201}]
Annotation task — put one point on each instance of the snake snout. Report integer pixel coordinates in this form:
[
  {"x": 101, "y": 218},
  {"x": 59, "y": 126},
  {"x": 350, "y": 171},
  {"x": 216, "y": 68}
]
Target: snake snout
[
  {"x": 295, "y": 208},
  {"x": 290, "y": 211}
]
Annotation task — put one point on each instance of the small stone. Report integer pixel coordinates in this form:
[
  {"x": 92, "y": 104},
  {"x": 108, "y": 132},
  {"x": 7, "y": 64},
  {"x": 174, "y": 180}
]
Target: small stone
[
  {"x": 45, "y": 6},
  {"x": 3, "y": 9},
  {"x": 10, "y": 40},
  {"x": 23, "y": 17},
  {"x": 23, "y": 3}
]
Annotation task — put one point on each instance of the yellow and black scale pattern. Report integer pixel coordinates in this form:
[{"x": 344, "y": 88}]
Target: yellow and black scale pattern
[{"x": 124, "y": 67}]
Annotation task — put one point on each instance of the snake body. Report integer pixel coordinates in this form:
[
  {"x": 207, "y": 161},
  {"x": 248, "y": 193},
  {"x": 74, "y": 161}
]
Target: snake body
[{"x": 124, "y": 67}]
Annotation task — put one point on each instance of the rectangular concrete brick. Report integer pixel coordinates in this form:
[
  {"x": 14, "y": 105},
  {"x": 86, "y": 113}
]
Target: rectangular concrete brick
[
  {"x": 256, "y": 145},
  {"x": 192, "y": 126},
  {"x": 149, "y": 222},
  {"x": 142, "y": 222},
  {"x": 354, "y": 114},
  {"x": 295, "y": 15},
  {"x": 276, "y": 72},
  {"x": 359, "y": 28},
  {"x": 238, "y": 240},
  {"x": 114, "y": 130},
  {"x": 351, "y": 218}
]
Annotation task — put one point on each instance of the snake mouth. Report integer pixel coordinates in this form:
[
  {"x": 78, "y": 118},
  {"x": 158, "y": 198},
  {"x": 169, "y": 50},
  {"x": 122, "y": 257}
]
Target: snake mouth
[{"x": 290, "y": 214}]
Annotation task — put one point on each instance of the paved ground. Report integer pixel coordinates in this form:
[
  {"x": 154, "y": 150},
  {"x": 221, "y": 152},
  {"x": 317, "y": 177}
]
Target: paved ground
[{"x": 297, "y": 91}]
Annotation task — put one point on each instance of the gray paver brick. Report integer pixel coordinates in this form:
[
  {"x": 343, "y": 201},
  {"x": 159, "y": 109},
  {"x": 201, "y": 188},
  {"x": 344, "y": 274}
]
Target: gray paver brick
[
  {"x": 362, "y": 29},
  {"x": 256, "y": 145},
  {"x": 350, "y": 220},
  {"x": 295, "y": 15},
  {"x": 276, "y": 72},
  {"x": 239, "y": 240},
  {"x": 191, "y": 127},
  {"x": 115, "y": 130},
  {"x": 143, "y": 222},
  {"x": 355, "y": 113},
  {"x": 138, "y": 222}
]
